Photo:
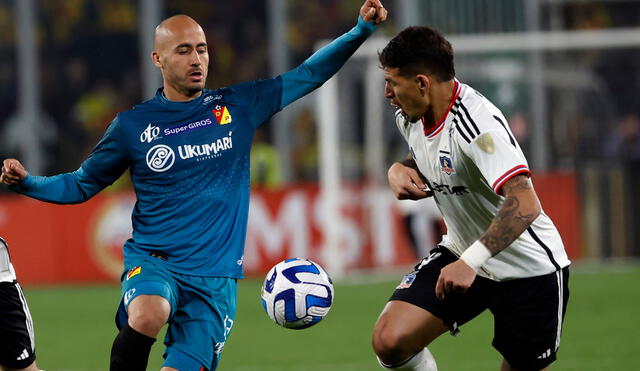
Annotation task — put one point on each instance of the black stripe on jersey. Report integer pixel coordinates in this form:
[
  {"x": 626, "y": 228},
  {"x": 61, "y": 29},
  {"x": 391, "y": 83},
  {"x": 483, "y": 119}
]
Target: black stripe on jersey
[
  {"x": 445, "y": 152},
  {"x": 464, "y": 123},
  {"x": 545, "y": 247},
  {"x": 468, "y": 116},
  {"x": 455, "y": 122},
  {"x": 513, "y": 141}
]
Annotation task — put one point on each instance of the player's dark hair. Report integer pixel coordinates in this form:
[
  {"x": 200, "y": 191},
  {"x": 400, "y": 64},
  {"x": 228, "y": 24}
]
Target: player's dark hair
[{"x": 419, "y": 49}]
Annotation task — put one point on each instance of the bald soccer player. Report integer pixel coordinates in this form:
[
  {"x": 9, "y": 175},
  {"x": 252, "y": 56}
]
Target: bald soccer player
[{"x": 187, "y": 150}]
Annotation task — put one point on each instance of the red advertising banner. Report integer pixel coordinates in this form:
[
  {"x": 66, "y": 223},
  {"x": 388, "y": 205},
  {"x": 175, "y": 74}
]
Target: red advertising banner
[{"x": 83, "y": 243}]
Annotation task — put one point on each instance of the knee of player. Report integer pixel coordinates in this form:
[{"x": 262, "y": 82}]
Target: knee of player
[
  {"x": 390, "y": 344},
  {"x": 148, "y": 316}
]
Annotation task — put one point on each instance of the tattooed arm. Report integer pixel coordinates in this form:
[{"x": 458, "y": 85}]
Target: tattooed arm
[
  {"x": 518, "y": 210},
  {"x": 406, "y": 181}
]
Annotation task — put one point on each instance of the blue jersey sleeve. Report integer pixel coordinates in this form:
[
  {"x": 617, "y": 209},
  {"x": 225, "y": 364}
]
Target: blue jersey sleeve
[
  {"x": 260, "y": 98},
  {"x": 105, "y": 164},
  {"x": 264, "y": 98},
  {"x": 319, "y": 68}
]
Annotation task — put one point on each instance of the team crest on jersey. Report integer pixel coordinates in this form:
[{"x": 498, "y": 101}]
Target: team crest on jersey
[
  {"x": 407, "y": 281},
  {"x": 446, "y": 165},
  {"x": 222, "y": 115},
  {"x": 134, "y": 272}
]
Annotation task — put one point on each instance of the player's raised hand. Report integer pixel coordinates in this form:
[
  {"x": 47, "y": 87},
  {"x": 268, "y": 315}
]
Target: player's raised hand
[
  {"x": 406, "y": 183},
  {"x": 12, "y": 172},
  {"x": 373, "y": 10}
]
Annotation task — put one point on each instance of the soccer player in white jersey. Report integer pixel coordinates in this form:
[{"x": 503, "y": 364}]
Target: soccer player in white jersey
[
  {"x": 17, "y": 346},
  {"x": 501, "y": 252}
]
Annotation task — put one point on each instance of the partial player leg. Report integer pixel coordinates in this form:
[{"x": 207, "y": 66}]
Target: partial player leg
[
  {"x": 149, "y": 294},
  {"x": 528, "y": 315},
  {"x": 199, "y": 330},
  {"x": 401, "y": 334},
  {"x": 131, "y": 348},
  {"x": 17, "y": 343},
  {"x": 414, "y": 316}
]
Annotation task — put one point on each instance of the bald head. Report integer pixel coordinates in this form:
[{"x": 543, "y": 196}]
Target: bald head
[
  {"x": 180, "y": 51},
  {"x": 174, "y": 26}
]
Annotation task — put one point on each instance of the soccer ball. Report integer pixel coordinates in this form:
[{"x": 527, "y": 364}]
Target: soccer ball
[{"x": 297, "y": 293}]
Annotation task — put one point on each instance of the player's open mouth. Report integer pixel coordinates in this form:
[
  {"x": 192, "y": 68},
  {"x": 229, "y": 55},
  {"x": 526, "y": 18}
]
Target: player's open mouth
[
  {"x": 196, "y": 75},
  {"x": 396, "y": 105}
]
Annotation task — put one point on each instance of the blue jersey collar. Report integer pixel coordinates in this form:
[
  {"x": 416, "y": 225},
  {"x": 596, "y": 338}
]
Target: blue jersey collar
[{"x": 163, "y": 99}]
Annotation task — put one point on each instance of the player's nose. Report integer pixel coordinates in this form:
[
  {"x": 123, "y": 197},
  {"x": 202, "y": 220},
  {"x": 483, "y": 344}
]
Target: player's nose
[
  {"x": 196, "y": 59},
  {"x": 388, "y": 92}
]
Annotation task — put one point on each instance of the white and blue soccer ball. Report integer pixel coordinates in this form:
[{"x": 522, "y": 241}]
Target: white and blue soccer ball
[{"x": 297, "y": 293}]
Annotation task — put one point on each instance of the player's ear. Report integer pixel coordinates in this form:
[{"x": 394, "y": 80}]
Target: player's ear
[
  {"x": 155, "y": 58},
  {"x": 423, "y": 82}
]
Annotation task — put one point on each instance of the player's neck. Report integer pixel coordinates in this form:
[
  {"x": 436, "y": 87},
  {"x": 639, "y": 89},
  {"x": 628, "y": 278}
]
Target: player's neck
[{"x": 441, "y": 97}]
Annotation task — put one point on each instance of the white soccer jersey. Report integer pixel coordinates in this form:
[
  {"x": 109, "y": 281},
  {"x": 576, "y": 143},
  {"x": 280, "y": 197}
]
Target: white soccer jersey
[
  {"x": 7, "y": 273},
  {"x": 466, "y": 158}
]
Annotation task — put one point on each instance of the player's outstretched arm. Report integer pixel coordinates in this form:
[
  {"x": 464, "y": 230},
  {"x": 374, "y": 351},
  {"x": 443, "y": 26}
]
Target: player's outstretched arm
[
  {"x": 519, "y": 209},
  {"x": 103, "y": 166},
  {"x": 318, "y": 68},
  {"x": 406, "y": 181}
]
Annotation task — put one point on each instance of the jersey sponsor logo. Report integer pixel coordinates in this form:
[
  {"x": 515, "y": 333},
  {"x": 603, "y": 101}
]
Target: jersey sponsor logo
[
  {"x": 446, "y": 189},
  {"x": 188, "y": 127},
  {"x": 160, "y": 158},
  {"x": 206, "y": 151},
  {"x": 133, "y": 272},
  {"x": 407, "y": 281},
  {"x": 222, "y": 115},
  {"x": 446, "y": 165},
  {"x": 149, "y": 134}
]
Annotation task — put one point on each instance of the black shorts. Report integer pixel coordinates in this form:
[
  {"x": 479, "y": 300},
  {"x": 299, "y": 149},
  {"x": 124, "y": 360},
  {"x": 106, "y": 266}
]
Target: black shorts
[
  {"x": 17, "y": 349},
  {"x": 527, "y": 312}
]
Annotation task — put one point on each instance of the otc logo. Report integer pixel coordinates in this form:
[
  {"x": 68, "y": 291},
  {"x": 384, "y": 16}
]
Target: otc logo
[
  {"x": 134, "y": 272},
  {"x": 446, "y": 165},
  {"x": 222, "y": 115},
  {"x": 149, "y": 134},
  {"x": 160, "y": 158}
]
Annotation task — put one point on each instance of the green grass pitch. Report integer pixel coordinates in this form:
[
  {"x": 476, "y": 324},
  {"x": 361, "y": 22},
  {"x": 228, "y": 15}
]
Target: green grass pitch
[{"x": 74, "y": 329}]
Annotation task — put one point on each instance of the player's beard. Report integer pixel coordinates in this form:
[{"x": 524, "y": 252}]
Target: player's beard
[{"x": 190, "y": 89}]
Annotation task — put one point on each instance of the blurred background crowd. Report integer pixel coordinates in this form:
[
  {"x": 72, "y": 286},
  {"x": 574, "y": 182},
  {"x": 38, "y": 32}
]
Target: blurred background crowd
[{"x": 90, "y": 68}]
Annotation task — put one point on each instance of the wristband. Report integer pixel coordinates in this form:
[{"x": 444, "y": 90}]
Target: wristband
[{"x": 476, "y": 255}]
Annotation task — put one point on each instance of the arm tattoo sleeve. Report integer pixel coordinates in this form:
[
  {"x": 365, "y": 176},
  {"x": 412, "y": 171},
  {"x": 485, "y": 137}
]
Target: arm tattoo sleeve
[{"x": 511, "y": 219}]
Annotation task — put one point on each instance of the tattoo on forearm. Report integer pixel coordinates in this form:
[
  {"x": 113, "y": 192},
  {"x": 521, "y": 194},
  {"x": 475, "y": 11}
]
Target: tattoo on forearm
[{"x": 510, "y": 221}]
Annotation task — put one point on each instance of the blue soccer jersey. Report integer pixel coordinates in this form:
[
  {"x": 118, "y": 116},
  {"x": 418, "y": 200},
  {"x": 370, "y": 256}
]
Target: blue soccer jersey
[{"x": 189, "y": 164}]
